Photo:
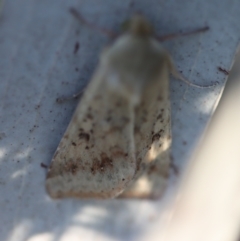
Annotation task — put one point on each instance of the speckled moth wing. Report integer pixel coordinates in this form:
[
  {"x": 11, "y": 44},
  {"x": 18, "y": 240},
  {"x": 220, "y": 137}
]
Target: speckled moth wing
[
  {"x": 152, "y": 182},
  {"x": 120, "y": 126},
  {"x": 153, "y": 137},
  {"x": 96, "y": 156}
]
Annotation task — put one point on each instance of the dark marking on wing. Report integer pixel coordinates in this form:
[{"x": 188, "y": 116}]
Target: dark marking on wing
[
  {"x": 109, "y": 118},
  {"x": 125, "y": 119},
  {"x": 118, "y": 104},
  {"x": 72, "y": 166},
  {"x": 152, "y": 169},
  {"x": 157, "y": 136},
  {"x": 117, "y": 152},
  {"x": 89, "y": 116},
  {"x": 111, "y": 130},
  {"x": 139, "y": 160},
  {"x": 144, "y": 119},
  {"x": 136, "y": 129},
  {"x": 105, "y": 161},
  {"x": 84, "y": 135},
  {"x": 101, "y": 165}
]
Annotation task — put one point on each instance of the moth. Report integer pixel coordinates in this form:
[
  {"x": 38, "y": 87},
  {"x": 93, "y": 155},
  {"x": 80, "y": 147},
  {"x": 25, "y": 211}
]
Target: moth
[{"x": 118, "y": 141}]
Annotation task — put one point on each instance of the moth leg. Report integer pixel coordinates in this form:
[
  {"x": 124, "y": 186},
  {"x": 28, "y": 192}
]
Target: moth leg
[
  {"x": 176, "y": 74},
  {"x": 181, "y": 34},
  {"x": 82, "y": 20}
]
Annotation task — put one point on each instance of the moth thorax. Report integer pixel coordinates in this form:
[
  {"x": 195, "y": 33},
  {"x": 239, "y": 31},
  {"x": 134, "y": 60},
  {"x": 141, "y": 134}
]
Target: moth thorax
[{"x": 138, "y": 25}]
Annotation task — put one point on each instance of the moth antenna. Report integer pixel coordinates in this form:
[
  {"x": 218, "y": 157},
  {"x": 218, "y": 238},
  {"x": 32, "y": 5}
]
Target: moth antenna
[
  {"x": 82, "y": 20},
  {"x": 181, "y": 34}
]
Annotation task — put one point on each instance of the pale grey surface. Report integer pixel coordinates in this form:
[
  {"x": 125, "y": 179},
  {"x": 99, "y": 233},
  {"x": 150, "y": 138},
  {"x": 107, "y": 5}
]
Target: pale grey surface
[{"x": 37, "y": 65}]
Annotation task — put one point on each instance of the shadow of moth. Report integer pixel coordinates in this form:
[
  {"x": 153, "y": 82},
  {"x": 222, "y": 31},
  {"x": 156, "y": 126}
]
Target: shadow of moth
[{"x": 119, "y": 139}]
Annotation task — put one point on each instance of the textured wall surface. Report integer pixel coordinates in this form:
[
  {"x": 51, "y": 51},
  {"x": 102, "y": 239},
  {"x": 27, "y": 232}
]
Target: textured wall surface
[{"x": 38, "y": 64}]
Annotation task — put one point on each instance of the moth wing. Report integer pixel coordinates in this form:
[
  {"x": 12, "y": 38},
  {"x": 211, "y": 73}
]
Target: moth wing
[
  {"x": 152, "y": 134},
  {"x": 153, "y": 181},
  {"x": 96, "y": 156}
]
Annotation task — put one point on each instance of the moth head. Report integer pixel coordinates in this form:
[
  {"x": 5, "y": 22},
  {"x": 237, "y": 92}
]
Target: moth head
[{"x": 138, "y": 25}]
